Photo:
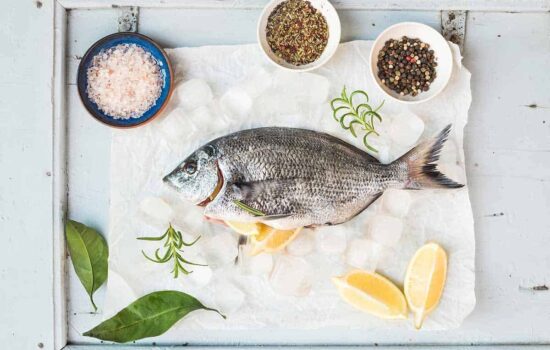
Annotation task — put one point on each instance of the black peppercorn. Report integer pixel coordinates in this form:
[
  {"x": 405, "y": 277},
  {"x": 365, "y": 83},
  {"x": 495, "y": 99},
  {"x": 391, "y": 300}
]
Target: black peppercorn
[{"x": 413, "y": 69}]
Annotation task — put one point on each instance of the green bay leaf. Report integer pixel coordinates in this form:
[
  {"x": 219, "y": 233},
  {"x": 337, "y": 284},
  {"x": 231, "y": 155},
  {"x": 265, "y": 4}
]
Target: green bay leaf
[
  {"x": 89, "y": 254},
  {"x": 148, "y": 316}
]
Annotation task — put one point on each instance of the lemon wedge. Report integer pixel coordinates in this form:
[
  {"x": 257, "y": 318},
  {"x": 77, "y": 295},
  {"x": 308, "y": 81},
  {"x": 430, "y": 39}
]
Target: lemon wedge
[
  {"x": 245, "y": 228},
  {"x": 425, "y": 280},
  {"x": 373, "y": 293},
  {"x": 270, "y": 239}
]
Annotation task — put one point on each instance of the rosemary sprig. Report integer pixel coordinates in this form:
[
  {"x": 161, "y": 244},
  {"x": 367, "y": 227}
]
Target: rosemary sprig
[
  {"x": 173, "y": 244},
  {"x": 348, "y": 114},
  {"x": 248, "y": 209}
]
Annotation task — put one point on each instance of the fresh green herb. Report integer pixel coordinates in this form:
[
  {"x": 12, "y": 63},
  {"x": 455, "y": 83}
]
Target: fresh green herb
[
  {"x": 249, "y": 209},
  {"x": 348, "y": 114},
  {"x": 148, "y": 316},
  {"x": 173, "y": 244},
  {"x": 89, "y": 254}
]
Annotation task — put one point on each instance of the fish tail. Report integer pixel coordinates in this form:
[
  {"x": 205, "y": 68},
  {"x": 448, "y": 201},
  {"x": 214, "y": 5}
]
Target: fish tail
[{"x": 422, "y": 164}]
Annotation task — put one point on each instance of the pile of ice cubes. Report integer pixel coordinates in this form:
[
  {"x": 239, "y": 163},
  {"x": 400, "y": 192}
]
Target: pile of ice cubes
[{"x": 281, "y": 95}]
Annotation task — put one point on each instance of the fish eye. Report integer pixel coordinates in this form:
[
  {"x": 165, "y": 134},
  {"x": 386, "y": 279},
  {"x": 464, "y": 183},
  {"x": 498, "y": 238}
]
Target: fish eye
[{"x": 190, "y": 167}]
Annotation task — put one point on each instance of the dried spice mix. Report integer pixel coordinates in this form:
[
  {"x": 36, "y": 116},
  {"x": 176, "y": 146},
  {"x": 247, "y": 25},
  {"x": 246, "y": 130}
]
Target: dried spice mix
[
  {"x": 297, "y": 32},
  {"x": 407, "y": 66}
]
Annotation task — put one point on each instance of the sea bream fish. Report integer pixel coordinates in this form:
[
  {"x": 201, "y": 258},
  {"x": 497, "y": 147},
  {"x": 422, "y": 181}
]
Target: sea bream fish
[{"x": 298, "y": 178}]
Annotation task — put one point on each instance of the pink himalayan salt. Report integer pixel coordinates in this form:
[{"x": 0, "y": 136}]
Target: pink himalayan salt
[{"x": 124, "y": 81}]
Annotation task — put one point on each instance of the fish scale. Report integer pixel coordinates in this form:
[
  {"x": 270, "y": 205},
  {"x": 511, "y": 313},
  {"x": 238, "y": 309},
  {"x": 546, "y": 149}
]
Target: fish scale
[
  {"x": 298, "y": 177},
  {"x": 313, "y": 177}
]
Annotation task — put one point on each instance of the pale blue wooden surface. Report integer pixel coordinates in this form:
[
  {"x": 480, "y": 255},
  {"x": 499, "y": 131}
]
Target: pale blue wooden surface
[
  {"x": 507, "y": 166},
  {"x": 507, "y": 153}
]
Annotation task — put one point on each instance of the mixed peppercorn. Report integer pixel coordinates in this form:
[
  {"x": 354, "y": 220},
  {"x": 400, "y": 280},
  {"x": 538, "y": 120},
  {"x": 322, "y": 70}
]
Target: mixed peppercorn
[
  {"x": 407, "y": 66},
  {"x": 297, "y": 32}
]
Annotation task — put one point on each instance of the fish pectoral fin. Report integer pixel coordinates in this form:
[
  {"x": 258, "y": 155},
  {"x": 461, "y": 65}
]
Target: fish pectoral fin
[
  {"x": 273, "y": 217},
  {"x": 250, "y": 192}
]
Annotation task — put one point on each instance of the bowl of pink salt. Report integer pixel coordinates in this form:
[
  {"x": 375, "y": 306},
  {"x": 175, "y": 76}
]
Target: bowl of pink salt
[{"x": 125, "y": 80}]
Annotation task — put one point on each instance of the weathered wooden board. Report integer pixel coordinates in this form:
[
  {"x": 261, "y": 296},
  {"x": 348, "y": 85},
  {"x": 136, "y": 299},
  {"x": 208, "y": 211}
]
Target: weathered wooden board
[
  {"x": 508, "y": 157},
  {"x": 508, "y": 161}
]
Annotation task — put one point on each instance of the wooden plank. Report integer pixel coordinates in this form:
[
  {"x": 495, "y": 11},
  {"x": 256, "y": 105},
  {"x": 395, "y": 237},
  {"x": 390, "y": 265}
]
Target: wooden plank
[
  {"x": 507, "y": 167},
  {"x": 59, "y": 197},
  {"x": 415, "y": 347},
  {"x": 28, "y": 223},
  {"x": 425, "y": 5}
]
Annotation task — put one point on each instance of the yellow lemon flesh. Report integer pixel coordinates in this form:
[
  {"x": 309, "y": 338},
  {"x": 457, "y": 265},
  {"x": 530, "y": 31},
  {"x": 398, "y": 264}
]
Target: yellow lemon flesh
[
  {"x": 373, "y": 293},
  {"x": 245, "y": 228},
  {"x": 270, "y": 239},
  {"x": 425, "y": 280}
]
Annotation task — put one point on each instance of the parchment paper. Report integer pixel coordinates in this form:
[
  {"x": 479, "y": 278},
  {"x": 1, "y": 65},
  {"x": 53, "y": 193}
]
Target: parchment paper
[{"x": 140, "y": 157}]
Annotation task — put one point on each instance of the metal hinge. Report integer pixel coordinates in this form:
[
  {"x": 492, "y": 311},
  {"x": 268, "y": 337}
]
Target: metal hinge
[
  {"x": 128, "y": 19},
  {"x": 453, "y": 27}
]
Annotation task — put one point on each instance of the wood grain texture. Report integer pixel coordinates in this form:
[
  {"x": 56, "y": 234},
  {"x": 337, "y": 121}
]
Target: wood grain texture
[
  {"x": 507, "y": 154},
  {"x": 426, "y": 5},
  {"x": 27, "y": 175},
  {"x": 185, "y": 347}
]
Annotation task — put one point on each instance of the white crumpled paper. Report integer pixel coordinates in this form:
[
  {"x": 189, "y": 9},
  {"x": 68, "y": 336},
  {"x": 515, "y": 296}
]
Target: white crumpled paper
[{"x": 141, "y": 157}]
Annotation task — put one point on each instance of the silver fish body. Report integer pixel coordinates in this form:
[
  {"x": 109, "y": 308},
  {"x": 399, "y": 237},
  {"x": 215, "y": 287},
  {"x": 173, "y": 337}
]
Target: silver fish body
[{"x": 297, "y": 177}]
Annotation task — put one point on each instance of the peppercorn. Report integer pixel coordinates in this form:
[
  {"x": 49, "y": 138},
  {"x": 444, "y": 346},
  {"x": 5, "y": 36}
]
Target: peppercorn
[{"x": 415, "y": 67}]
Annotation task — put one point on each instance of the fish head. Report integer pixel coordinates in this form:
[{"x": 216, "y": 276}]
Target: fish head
[{"x": 198, "y": 178}]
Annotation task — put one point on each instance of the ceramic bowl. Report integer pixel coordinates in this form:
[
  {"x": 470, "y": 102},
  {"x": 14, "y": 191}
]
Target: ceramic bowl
[
  {"x": 148, "y": 45},
  {"x": 442, "y": 52},
  {"x": 333, "y": 22}
]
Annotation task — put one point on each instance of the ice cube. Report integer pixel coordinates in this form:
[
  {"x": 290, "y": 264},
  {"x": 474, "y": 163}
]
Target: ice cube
[
  {"x": 202, "y": 116},
  {"x": 331, "y": 240},
  {"x": 396, "y": 202},
  {"x": 255, "y": 83},
  {"x": 317, "y": 87},
  {"x": 302, "y": 244},
  {"x": 200, "y": 275},
  {"x": 364, "y": 254},
  {"x": 175, "y": 125},
  {"x": 385, "y": 229},
  {"x": 276, "y": 104},
  {"x": 236, "y": 102},
  {"x": 291, "y": 276},
  {"x": 406, "y": 129},
  {"x": 229, "y": 298},
  {"x": 192, "y": 93},
  {"x": 157, "y": 208},
  {"x": 382, "y": 147},
  {"x": 309, "y": 88},
  {"x": 220, "y": 249},
  {"x": 260, "y": 264}
]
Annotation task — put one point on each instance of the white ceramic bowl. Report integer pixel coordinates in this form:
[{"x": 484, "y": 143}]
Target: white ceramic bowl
[
  {"x": 333, "y": 22},
  {"x": 442, "y": 52}
]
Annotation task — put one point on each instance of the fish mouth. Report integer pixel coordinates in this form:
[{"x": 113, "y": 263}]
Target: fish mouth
[{"x": 217, "y": 189}]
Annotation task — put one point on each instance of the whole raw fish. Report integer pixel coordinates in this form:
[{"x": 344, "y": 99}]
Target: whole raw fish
[{"x": 296, "y": 177}]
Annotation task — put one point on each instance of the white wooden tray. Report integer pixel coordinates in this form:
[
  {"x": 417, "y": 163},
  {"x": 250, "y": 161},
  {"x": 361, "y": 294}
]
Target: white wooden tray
[{"x": 508, "y": 139}]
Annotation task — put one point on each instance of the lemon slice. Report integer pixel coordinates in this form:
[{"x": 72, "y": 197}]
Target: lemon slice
[
  {"x": 244, "y": 228},
  {"x": 373, "y": 293},
  {"x": 425, "y": 280},
  {"x": 270, "y": 239}
]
